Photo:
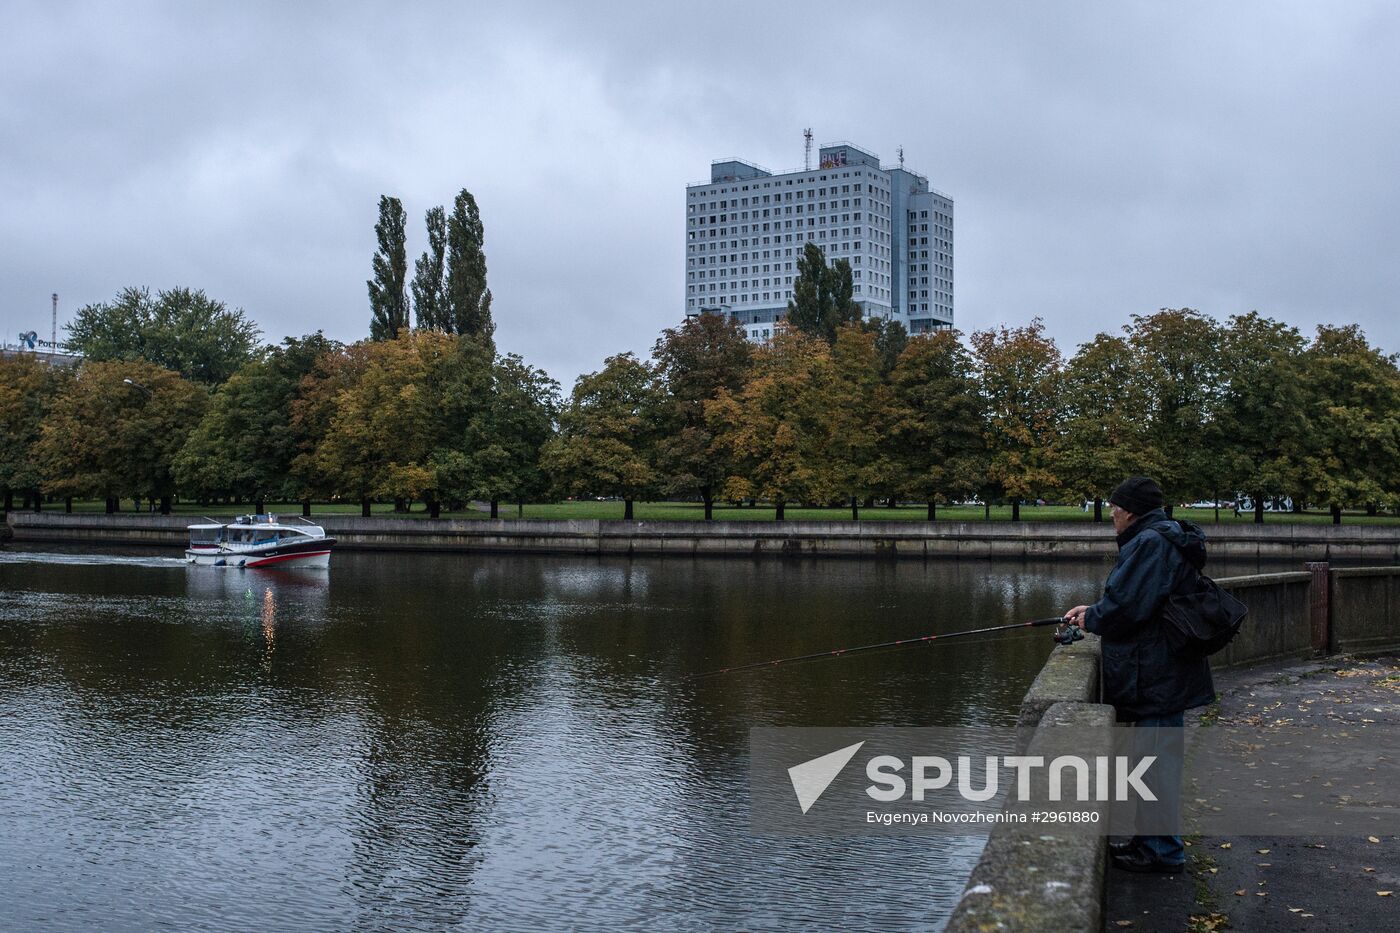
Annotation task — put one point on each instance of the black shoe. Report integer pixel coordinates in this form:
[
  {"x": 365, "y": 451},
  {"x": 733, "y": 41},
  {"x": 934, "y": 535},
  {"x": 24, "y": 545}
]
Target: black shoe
[
  {"x": 1147, "y": 864},
  {"x": 1123, "y": 848}
]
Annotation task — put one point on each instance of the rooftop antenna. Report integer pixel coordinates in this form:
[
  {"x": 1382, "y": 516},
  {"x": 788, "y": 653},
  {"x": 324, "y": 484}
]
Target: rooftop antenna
[
  {"x": 807, "y": 150},
  {"x": 53, "y": 334},
  {"x": 901, "y": 156}
]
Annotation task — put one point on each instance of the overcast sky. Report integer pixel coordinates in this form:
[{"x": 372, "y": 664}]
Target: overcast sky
[{"x": 1106, "y": 158}]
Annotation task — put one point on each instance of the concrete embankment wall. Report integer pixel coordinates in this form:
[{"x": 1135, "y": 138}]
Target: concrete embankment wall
[
  {"x": 1378, "y": 544},
  {"x": 1049, "y": 881}
]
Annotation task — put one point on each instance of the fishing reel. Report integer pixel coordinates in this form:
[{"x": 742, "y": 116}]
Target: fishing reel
[{"x": 1068, "y": 633}]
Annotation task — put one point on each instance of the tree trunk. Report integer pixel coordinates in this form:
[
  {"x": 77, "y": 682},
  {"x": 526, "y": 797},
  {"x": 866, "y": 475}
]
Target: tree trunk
[
  {"x": 434, "y": 508},
  {"x": 855, "y": 509},
  {"x": 778, "y": 510},
  {"x": 305, "y": 508},
  {"x": 1168, "y": 510},
  {"x": 400, "y": 504},
  {"x": 1217, "y": 506},
  {"x": 626, "y": 510},
  {"x": 932, "y": 510},
  {"x": 38, "y": 501},
  {"x": 259, "y": 507},
  {"x": 1098, "y": 509},
  {"x": 709, "y": 507},
  {"x": 136, "y": 504},
  {"x": 165, "y": 503},
  {"x": 111, "y": 505},
  {"x": 1015, "y": 510},
  {"x": 891, "y": 503},
  {"x": 987, "y": 511},
  {"x": 869, "y": 502},
  {"x": 364, "y": 508},
  {"x": 495, "y": 507},
  {"x": 1259, "y": 508},
  {"x": 1336, "y": 514},
  {"x": 1371, "y": 509},
  {"x": 9, "y": 501},
  {"x": 519, "y": 508}
]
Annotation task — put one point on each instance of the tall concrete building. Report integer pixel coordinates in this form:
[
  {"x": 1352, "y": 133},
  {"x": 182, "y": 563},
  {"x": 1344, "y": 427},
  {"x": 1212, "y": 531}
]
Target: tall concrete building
[{"x": 746, "y": 228}]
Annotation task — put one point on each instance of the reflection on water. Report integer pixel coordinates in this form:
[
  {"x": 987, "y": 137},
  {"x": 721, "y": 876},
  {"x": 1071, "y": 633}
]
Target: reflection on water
[{"x": 414, "y": 742}]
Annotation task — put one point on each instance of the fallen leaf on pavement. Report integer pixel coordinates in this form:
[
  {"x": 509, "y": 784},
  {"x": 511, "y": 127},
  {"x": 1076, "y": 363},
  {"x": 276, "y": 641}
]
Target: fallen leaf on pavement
[
  {"x": 1226, "y": 845},
  {"x": 1372, "y": 839},
  {"x": 1263, "y": 851}
]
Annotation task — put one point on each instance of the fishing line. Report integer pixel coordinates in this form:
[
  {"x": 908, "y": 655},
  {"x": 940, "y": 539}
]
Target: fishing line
[{"x": 898, "y": 643}]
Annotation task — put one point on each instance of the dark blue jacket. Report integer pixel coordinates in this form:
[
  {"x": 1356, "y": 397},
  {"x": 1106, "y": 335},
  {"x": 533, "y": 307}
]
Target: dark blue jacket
[{"x": 1141, "y": 675}]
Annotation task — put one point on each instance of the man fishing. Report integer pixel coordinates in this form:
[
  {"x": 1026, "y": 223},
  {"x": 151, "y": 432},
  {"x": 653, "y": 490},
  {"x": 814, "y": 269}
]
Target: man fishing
[{"x": 1149, "y": 685}]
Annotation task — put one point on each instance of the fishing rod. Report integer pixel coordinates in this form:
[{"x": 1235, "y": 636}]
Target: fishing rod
[{"x": 1070, "y": 634}]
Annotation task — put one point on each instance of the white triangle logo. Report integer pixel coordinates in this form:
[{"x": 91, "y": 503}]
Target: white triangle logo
[{"x": 811, "y": 778}]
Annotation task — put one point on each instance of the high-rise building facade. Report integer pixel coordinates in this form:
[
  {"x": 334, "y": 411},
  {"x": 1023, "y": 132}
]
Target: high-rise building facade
[{"x": 747, "y": 227}]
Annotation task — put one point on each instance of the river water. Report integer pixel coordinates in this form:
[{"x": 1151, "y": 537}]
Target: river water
[{"x": 423, "y": 742}]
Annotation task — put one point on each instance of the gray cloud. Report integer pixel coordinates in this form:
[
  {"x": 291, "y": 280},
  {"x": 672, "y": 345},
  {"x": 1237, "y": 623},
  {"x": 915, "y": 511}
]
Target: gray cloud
[{"x": 1106, "y": 158}]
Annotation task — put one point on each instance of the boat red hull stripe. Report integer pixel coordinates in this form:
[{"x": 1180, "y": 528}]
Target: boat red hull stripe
[{"x": 281, "y": 557}]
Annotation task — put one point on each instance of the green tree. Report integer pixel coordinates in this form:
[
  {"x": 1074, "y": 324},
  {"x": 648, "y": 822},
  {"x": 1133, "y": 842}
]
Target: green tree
[
  {"x": 1019, "y": 375},
  {"x": 821, "y": 295},
  {"x": 695, "y": 362},
  {"x": 1353, "y": 403},
  {"x": 1178, "y": 365},
  {"x": 387, "y": 301},
  {"x": 775, "y": 430},
  {"x": 890, "y": 340},
  {"x": 1104, "y": 436},
  {"x": 430, "y": 300},
  {"x": 27, "y": 390},
  {"x": 517, "y": 423},
  {"x": 180, "y": 329},
  {"x": 935, "y": 433},
  {"x": 115, "y": 430},
  {"x": 606, "y": 439},
  {"x": 856, "y": 398},
  {"x": 467, "y": 294},
  {"x": 1261, "y": 412},
  {"x": 246, "y": 443}
]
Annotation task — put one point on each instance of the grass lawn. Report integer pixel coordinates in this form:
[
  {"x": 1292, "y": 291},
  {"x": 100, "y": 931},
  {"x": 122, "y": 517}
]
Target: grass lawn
[{"x": 694, "y": 511}]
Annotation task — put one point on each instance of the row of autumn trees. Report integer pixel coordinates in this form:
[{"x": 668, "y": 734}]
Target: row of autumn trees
[
  {"x": 431, "y": 416},
  {"x": 857, "y": 412}
]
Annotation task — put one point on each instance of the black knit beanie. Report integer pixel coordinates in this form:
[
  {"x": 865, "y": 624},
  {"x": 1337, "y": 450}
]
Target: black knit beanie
[{"x": 1138, "y": 494}]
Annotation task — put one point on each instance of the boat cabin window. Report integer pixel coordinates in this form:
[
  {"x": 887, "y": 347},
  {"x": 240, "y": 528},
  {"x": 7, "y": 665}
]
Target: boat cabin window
[{"x": 204, "y": 535}]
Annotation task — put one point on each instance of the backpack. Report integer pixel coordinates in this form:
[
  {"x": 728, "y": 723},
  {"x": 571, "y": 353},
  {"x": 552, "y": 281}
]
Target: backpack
[{"x": 1200, "y": 618}]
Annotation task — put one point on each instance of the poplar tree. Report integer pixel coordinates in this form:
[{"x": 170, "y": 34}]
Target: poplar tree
[
  {"x": 430, "y": 301},
  {"x": 821, "y": 295},
  {"x": 387, "y": 300},
  {"x": 469, "y": 299}
]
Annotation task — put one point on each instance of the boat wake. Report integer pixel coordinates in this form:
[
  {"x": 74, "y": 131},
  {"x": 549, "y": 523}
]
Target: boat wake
[{"x": 91, "y": 560}]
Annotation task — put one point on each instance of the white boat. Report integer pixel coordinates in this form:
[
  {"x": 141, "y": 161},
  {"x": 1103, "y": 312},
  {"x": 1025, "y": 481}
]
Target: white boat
[{"x": 259, "y": 541}]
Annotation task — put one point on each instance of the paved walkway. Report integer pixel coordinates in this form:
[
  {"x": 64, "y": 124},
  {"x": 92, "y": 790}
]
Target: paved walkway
[{"x": 1267, "y": 883}]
